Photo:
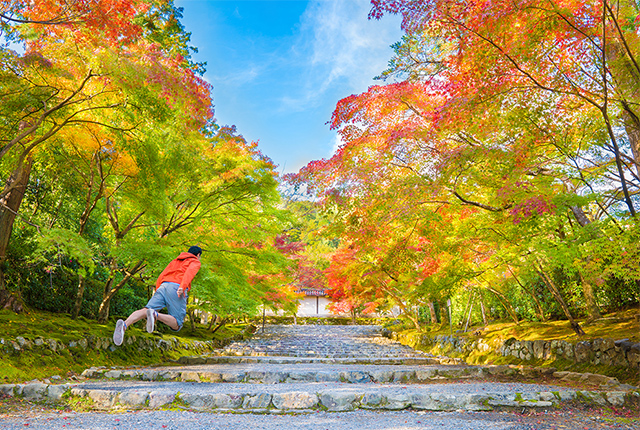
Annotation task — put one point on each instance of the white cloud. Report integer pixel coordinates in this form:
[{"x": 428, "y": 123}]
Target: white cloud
[
  {"x": 243, "y": 77},
  {"x": 341, "y": 46}
]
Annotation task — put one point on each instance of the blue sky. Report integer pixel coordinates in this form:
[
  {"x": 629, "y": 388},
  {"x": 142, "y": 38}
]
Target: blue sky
[{"x": 278, "y": 68}]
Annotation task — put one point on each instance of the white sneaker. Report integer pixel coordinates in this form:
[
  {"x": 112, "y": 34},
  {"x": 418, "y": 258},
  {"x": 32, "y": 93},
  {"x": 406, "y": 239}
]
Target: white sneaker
[
  {"x": 151, "y": 320},
  {"x": 118, "y": 333}
]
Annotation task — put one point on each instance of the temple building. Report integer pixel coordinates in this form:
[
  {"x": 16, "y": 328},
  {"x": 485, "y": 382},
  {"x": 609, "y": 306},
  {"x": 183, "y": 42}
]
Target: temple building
[{"x": 314, "y": 303}]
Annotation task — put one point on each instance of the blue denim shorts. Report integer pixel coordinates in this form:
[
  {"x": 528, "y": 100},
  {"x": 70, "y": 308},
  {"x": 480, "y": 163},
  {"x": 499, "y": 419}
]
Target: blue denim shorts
[{"x": 167, "y": 296}]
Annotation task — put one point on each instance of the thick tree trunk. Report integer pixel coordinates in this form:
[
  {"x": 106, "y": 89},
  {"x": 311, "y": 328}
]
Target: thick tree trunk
[
  {"x": 432, "y": 313},
  {"x": 11, "y": 301},
  {"x": 444, "y": 314},
  {"x": 10, "y": 201},
  {"x": 581, "y": 217},
  {"x": 587, "y": 285},
  {"x": 590, "y": 299}
]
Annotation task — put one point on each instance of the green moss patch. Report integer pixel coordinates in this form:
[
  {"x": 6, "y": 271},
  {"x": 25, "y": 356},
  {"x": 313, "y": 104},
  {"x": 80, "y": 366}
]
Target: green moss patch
[{"x": 40, "y": 362}]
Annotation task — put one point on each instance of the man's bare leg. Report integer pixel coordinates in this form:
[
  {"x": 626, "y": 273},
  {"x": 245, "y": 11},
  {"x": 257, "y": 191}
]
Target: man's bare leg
[
  {"x": 136, "y": 316},
  {"x": 142, "y": 313},
  {"x": 168, "y": 320}
]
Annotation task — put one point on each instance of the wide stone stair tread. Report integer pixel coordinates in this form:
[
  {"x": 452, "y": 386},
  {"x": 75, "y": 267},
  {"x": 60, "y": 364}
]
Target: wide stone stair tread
[
  {"x": 285, "y": 372},
  {"x": 355, "y": 359},
  {"x": 332, "y": 396}
]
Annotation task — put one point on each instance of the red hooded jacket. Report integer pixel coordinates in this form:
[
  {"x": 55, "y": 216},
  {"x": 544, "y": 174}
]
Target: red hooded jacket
[{"x": 181, "y": 271}]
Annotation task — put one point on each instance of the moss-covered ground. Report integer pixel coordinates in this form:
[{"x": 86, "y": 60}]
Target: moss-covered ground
[
  {"x": 41, "y": 362},
  {"x": 618, "y": 325}
]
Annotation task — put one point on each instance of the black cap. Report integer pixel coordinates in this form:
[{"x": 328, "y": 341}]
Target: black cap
[{"x": 195, "y": 250}]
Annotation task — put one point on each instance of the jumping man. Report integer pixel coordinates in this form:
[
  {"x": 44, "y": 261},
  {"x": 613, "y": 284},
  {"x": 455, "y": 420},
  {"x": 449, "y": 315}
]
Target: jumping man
[{"x": 172, "y": 290}]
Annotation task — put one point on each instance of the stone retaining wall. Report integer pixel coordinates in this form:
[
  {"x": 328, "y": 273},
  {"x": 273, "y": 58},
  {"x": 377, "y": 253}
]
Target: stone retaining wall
[
  {"x": 334, "y": 400},
  {"x": 141, "y": 343},
  {"x": 606, "y": 352}
]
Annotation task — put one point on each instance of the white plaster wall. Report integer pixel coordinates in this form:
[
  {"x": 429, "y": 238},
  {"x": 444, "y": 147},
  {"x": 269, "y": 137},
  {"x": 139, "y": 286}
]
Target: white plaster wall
[{"x": 314, "y": 306}]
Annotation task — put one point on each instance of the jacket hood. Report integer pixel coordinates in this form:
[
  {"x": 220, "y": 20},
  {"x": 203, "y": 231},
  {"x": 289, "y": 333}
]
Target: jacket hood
[{"x": 185, "y": 255}]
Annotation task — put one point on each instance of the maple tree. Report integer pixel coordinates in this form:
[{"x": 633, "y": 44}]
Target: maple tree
[
  {"x": 583, "y": 57},
  {"x": 75, "y": 83},
  {"x": 523, "y": 137},
  {"x": 115, "y": 164}
]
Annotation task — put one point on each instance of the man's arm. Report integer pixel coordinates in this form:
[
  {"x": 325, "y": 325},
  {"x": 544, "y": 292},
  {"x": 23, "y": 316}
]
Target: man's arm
[{"x": 189, "y": 274}]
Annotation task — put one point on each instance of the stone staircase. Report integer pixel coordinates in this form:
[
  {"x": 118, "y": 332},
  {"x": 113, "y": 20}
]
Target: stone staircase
[
  {"x": 333, "y": 368},
  {"x": 321, "y": 341}
]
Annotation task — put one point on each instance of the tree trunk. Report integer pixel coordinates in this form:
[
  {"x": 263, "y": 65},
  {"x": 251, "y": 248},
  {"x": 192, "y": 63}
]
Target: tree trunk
[
  {"x": 484, "y": 315},
  {"x": 466, "y": 324},
  {"x": 414, "y": 320},
  {"x": 222, "y": 322},
  {"x": 11, "y": 301},
  {"x": 590, "y": 299},
  {"x": 467, "y": 307},
  {"x": 432, "y": 313},
  {"x": 10, "y": 202},
  {"x": 79, "y": 298},
  {"x": 444, "y": 314},
  {"x": 103, "y": 310},
  {"x": 403, "y": 308},
  {"x": 505, "y": 302},
  {"x": 212, "y": 319},
  {"x": 532, "y": 293},
  {"x": 192, "y": 319},
  {"x": 587, "y": 285},
  {"x": 556, "y": 293},
  {"x": 632, "y": 127}
]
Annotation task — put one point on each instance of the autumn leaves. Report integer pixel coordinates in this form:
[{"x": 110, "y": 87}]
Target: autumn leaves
[{"x": 504, "y": 159}]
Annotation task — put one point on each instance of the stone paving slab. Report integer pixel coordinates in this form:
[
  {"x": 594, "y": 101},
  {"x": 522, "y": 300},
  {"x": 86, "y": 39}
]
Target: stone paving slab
[
  {"x": 320, "y": 341},
  {"x": 330, "y": 396}
]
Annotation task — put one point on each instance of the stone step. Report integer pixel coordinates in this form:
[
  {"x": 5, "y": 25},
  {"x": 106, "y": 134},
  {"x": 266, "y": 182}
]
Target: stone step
[
  {"x": 271, "y": 373},
  {"x": 293, "y": 352},
  {"x": 320, "y": 341},
  {"x": 307, "y": 397},
  {"x": 290, "y": 371},
  {"x": 217, "y": 359}
]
